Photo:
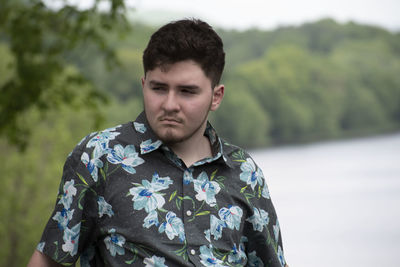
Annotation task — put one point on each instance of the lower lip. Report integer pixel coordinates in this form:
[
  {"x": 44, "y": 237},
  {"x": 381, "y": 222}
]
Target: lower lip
[{"x": 170, "y": 122}]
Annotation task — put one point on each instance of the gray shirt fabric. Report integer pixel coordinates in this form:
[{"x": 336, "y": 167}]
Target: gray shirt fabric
[{"x": 126, "y": 199}]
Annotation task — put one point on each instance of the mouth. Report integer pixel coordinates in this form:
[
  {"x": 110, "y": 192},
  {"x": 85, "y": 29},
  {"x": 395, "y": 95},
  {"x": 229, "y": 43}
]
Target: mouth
[{"x": 170, "y": 120}]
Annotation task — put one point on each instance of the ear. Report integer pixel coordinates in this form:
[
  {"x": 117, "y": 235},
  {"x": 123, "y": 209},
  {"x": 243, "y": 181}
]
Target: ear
[
  {"x": 143, "y": 79},
  {"x": 218, "y": 95}
]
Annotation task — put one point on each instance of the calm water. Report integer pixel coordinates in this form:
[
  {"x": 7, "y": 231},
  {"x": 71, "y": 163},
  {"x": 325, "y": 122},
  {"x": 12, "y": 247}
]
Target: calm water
[{"x": 338, "y": 202}]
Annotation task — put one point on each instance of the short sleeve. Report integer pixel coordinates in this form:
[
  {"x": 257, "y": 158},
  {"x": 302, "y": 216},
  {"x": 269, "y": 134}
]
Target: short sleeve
[
  {"x": 262, "y": 231},
  {"x": 70, "y": 228}
]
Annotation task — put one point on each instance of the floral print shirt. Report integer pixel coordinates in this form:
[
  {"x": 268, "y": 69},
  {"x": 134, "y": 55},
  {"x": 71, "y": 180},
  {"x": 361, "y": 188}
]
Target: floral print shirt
[{"x": 127, "y": 199}]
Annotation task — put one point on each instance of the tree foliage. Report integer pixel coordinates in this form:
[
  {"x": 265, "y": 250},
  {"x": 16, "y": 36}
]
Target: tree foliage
[
  {"x": 30, "y": 179},
  {"x": 293, "y": 84},
  {"x": 320, "y": 80},
  {"x": 302, "y": 83},
  {"x": 38, "y": 38}
]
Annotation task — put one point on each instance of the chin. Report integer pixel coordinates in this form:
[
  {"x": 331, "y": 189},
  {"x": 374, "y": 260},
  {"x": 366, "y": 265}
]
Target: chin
[
  {"x": 168, "y": 137},
  {"x": 172, "y": 140}
]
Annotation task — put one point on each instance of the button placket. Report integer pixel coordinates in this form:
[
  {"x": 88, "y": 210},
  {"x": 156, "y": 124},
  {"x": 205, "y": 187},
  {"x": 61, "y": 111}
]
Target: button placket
[{"x": 187, "y": 212}]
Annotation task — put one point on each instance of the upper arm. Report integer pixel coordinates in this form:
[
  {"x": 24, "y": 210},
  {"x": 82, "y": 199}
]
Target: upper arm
[{"x": 39, "y": 259}]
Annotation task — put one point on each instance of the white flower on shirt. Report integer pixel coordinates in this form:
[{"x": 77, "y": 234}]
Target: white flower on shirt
[{"x": 259, "y": 219}]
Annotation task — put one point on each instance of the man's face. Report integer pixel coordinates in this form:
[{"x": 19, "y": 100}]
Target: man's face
[{"x": 177, "y": 99}]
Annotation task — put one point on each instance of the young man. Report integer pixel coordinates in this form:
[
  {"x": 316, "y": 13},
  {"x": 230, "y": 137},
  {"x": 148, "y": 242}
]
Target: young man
[{"x": 165, "y": 190}]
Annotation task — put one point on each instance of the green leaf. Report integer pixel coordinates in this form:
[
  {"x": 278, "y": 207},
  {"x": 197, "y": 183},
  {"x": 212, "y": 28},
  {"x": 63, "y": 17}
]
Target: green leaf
[
  {"x": 213, "y": 174},
  {"x": 163, "y": 210},
  {"x": 81, "y": 195},
  {"x": 220, "y": 178},
  {"x": 178, "y": 202},
  {"x": 249, "y": 195},
  {"x": 56, "y": 250},
  {"x": 173, "y": 195},
  {"x": 103, "y": 174},
  {"x": 243, "y": 188},
  {"x": 106, "y": 167},
  {"x": 82, "y": 179},
  {"x": 203, "y": 213},
  {"x": 132, "y": 260},
  {"x": 221, "y": 184}
]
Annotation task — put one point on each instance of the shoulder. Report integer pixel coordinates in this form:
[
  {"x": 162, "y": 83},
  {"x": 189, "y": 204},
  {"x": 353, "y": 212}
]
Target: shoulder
[
  {"x": 100, "y": 140},
  {"x": 90, "y": 150},
  {"x": 234, "y": 152}
]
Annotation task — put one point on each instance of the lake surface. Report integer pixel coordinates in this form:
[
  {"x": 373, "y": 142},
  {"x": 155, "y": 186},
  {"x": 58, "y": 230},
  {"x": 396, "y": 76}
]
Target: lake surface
[{"x": 338, "y": 202}]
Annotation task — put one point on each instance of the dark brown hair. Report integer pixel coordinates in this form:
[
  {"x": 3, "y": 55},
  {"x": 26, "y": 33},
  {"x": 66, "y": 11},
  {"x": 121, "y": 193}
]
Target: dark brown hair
[{"x": 186, "y": 39}]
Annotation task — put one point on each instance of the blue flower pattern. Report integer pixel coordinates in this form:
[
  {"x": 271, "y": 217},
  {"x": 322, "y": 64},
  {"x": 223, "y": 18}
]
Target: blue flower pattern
[
  {"x": 40, "y": 246},
  {"x": 173, "y": 226},
  {"x": 230, "y": 217},
  {"x": 151, "y": 219},
  {"x": 92, "y": 165},
  {"x": 206, "y": 190},
  {"x": 127, "y": 157},
  {"x": 63, "y": 217},
  {"x": 154, "y": 261},
  {"x": 115, "y": 243},
  {"x": 238, "y": 255},
  {"x": 68, "y": 194},
  {"x": 157, "y": 200},
  {"x": 188, "y": 176},
  {"x": 276, "y": 230},
  {"x": 71, "y": 239},
  {"x": 104, "y": 207},
  {"x": 139, "y": 127},
  {"x": 146, "y": 196},
  {"x": 259, "y": 219},
  {"x": 265, "y": 191},
  {"x": 149, "y": 146},
  {"x": 217, "y": 226},
  {"x": 101, "y": 140},
  {"x": 208, "y": 259},
  {"x": 281, "y": 257},
  {"x": 251, "y": 174}
]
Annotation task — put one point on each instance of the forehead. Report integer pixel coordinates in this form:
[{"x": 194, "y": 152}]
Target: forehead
[{"x": 182, "y": 71}]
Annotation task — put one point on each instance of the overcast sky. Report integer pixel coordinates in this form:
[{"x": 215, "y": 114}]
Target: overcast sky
[{"x": 267, "y": 14}]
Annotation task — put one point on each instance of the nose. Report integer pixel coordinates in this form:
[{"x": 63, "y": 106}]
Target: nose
[{"x": 171, "y": 103}]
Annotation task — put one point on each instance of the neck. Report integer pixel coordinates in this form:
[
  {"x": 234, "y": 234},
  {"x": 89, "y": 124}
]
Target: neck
[{"x": 193, "y": 151}]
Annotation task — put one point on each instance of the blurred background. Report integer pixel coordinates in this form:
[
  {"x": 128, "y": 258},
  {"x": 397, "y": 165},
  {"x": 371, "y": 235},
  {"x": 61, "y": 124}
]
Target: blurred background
[{"x": 312, "y": 90}]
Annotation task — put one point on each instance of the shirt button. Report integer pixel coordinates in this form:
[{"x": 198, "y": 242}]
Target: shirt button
[
  {"x": 188, "y": 213},
  {"x": 192, "y": 251}
]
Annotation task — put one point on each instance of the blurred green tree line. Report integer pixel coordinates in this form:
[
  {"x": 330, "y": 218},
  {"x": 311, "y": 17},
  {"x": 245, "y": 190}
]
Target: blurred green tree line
[{"x": 317, "y": 81}]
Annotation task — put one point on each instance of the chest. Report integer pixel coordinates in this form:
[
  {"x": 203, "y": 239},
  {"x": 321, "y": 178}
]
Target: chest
[{"x": 164, "y": 207}]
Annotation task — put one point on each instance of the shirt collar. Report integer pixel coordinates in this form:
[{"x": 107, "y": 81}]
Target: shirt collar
[{"x": 149, "y": 142}]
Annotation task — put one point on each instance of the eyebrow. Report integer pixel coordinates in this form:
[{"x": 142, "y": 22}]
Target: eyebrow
[
  {"x": 156, "y": 83},
  {"x": 183, "y": 86}
]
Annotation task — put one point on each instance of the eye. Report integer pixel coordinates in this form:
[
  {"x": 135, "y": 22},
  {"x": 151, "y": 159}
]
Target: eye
[
  {"x": 188, "y": 91},
  {"x": 158, "y": 88}
]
